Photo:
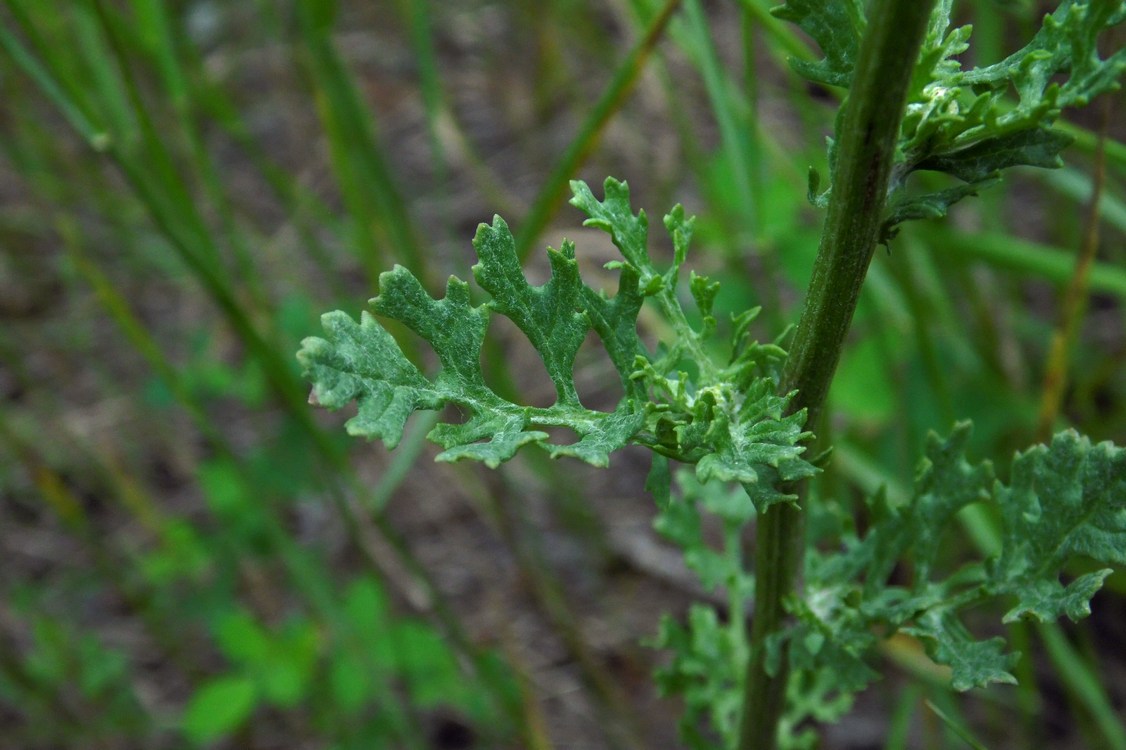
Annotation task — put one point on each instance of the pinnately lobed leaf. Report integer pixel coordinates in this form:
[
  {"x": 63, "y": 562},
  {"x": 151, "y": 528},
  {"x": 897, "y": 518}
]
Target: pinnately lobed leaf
[
  {"x": 963, "y": 122},
  {"x": 364, "y": 363},
  {"x": 836, "y": 26},
  {"x": 1064, "y": 501},
  {"x": 707, "y": 655},
  {"x": 727, "y": 419}
]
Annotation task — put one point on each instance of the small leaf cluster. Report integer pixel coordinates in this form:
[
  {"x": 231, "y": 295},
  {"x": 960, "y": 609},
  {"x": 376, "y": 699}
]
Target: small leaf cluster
[
  {"x": 964, "y": 123},
  {"x": 707, "y": 655},
  {"x": 684, "y": 402},
  {"x": 376, "y": 657},
  {"x": 1064, "y": 502}
]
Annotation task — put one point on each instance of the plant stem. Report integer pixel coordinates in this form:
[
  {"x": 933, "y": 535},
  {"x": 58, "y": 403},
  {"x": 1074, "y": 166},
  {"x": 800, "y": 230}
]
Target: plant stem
[{"x": 865, "y": 152}]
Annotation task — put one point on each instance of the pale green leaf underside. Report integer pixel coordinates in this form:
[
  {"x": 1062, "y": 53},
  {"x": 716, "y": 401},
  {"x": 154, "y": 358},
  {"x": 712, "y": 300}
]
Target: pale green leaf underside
[
  {"x": 1065, "y": 501},
  {"x": 972, "y": 663}
]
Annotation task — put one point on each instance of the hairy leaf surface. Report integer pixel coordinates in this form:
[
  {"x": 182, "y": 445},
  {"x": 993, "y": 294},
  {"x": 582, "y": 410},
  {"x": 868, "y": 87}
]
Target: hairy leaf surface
[
  {"x": 1065, "y": 501},
  {"x": 964, "y": 122},
  {"x": 725, "y": 418},
  {"x": 836, "y": 26}
]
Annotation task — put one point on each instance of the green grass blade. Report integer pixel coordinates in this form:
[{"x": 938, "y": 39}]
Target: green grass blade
[
  {"x": 956, "y": 727},
  {"x": 417, "y": 17},
  {"x": 96, "y": 136},
  {"x": 378, "y": 211},
  {"x": 185, "y": 234},
  {"x": 554, "y": 190},
  {"x": 406, "y": 455},
  {"x": 153, "y": 38},
  {"x": 901, "y": 717},
  {"x": 1084, "y": 684},
  {"x": 735, "y": 134},
  {"x": 1078, "y": 187},
  {"x": 1024, "y": 256}
]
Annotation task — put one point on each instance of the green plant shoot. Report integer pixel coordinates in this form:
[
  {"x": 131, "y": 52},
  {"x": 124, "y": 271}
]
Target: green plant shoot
[{"x": 720, "y": 402}]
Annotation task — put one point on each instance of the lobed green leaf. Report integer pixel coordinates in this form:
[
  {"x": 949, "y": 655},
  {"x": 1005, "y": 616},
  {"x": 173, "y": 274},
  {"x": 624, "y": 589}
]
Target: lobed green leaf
[
  {"x": 1065, "y": 501},
  {"x": 364, "y": 362},
  {"x": 961, "y": 122},
  {"x": 726, "y": 418},
  {"x": 836, "y": 26}
]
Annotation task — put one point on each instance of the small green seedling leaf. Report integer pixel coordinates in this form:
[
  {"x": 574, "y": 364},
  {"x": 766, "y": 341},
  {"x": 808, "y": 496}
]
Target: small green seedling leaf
[{"x": 218, "y": 707}]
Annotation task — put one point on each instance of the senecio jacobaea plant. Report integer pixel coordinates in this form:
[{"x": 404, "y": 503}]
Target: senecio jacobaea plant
[{"x": 738, "y": 410}]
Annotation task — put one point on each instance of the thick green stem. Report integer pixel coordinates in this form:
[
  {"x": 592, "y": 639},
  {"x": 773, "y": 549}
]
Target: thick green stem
[{"x": 865, "y": 153}]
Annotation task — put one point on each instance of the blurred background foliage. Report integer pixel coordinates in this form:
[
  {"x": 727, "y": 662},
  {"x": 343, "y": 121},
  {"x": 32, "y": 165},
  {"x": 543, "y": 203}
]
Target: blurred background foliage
[{"x": 192, "y": 556}]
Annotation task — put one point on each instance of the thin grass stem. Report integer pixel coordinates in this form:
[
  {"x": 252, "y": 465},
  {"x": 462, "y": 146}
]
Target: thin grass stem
[{"x": 551, "y": 195}]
